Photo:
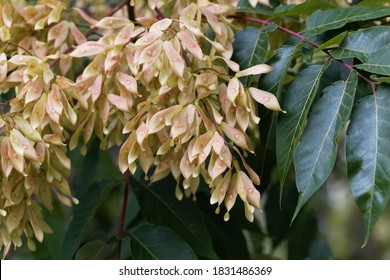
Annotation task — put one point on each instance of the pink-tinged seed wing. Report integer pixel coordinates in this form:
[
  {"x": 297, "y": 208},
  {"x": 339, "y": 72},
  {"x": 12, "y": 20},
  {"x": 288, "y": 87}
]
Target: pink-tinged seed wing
[
  {"x": 124, "y": 35},
  {"x": 175, "y": 60},
  {"x": 255, "y": 70},
  {"x": 119, "y": 101},
  {"x": 190, "y": 43},
  {"x": 78, "y": 36},
  {"x": 233, "y": 89},
  {"x": 88, "y": 49},
  {"x": 266, "y": 98},
  {"x": 112, "y": 22}
]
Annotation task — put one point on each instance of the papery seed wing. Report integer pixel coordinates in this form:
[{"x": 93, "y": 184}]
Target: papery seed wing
[
  {"x": 112, "y": 22},
  {"x": 88, "y": 49},
  {"x": 266, "y": 98}
]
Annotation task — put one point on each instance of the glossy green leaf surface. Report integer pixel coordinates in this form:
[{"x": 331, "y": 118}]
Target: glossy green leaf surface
[
  {"x": 368, "y": 155},
  {"x": 280, "y": 62},
  {"x": 273, "y": 82},
  {"x": 90, "y": 250},
  {"x": 380, "y": 79},
  {"x": 297, "y": 103},
  {"x": 306, "y": 8},
  {"x": 334, "y": 41},
  {"x": 332, "y": 19},
  {"x": 317, "y": 150},
  {"x": 250, "y": 48},
  {"x": 160, "y": 206},
  {"x": 159, "y": 243},
  {"x": 362, "y": 43},
  {"x": 373, "y": 2},
  {"x": 243, "y": 6},
  {"x": 82, "y": 216},
  {"x": 90, "y": 192},
  {"x": 378, "y": 62}
]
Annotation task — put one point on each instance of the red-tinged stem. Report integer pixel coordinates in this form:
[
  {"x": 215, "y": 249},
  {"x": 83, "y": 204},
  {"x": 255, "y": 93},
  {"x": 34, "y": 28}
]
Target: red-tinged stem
[
  {"x": 10, "y": 252},
  {"x": 160, "y": 14},
  {"x": 20, "y": 47},
  {"x": 314, "y": 44},
  {"x": 123, "y": 214},
  {"x": 350, "y": 68},
  {"x": 186, "y": 59},
  {"x": 281, "y": 28},
  {"x": 118, "y": 7},
  {"x": 130, "y": 10},
  {"x": 5, "y": 104}
]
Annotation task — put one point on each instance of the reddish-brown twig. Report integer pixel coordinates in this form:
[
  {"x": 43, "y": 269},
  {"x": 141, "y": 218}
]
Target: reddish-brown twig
[
  {"x": 314, "y": 44},
  {"x": 123, "y": 214}
]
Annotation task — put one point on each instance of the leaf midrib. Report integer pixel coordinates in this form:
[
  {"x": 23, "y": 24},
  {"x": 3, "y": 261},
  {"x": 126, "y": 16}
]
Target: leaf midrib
[
  {"x": 168, "y": 207},
  {"x": 298, "y": 128},
  {"x": 144, "y": 246},
  {"x": 344, "y": 19},
  {"x": 326, "y": 136},
  {"x": 372, "y": 190}
]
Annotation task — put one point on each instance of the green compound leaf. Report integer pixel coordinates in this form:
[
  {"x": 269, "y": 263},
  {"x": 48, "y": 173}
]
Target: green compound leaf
[
  {"x": 83, "y": 214},
  {"x": 250, "y": 48},
  {"x": 160, "y": 206},
  {"x": 380, "y": 79},
  {"x": 90, "y": 250},
  {"x": 90, "y": 188},
  {"x": 305, "y": 8},
  {"x": 373, "y": 3},
  {"x": 368, "y": 155},
  {"x": 243, "y": 6},
  {"x": 378, "y": 62},
  {"x": 322, "y": 21},
  {"x": 280, "y": 62},
  {"x": 273, "y": 82},
  {"x": 362, "y": 43},
  {"x": 297, "y": 103},
  {"x": 316, "y": 153},
  {"x": 331, "y": 42},
  {"x": 228, "y": 238},
  {"x": 159, "y": 243}
]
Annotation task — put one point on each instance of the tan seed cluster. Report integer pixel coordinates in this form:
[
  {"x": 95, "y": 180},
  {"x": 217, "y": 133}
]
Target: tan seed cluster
[{"x": 170, "y": 96}]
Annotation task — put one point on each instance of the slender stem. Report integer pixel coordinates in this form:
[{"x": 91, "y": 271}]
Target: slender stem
[
  {"x": 130, "y": 12},
  {"x": 10, "y": 252},
  {"x": 5, "y": 104},
  {"x": 118, "y": 7},
  {"x": 123, "y": 214},
  {"x": 83, "y": 25},
  {"x": 286, "y": 30},
  {"x": 54, "y": 62},
  {"x": 87, "y": 26},
  {"x": 160, "y": 14},
  {"x": 314, "y": 44},
  {"x": 20, "y": 47},
  {"x": 186, "y": 59}
]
